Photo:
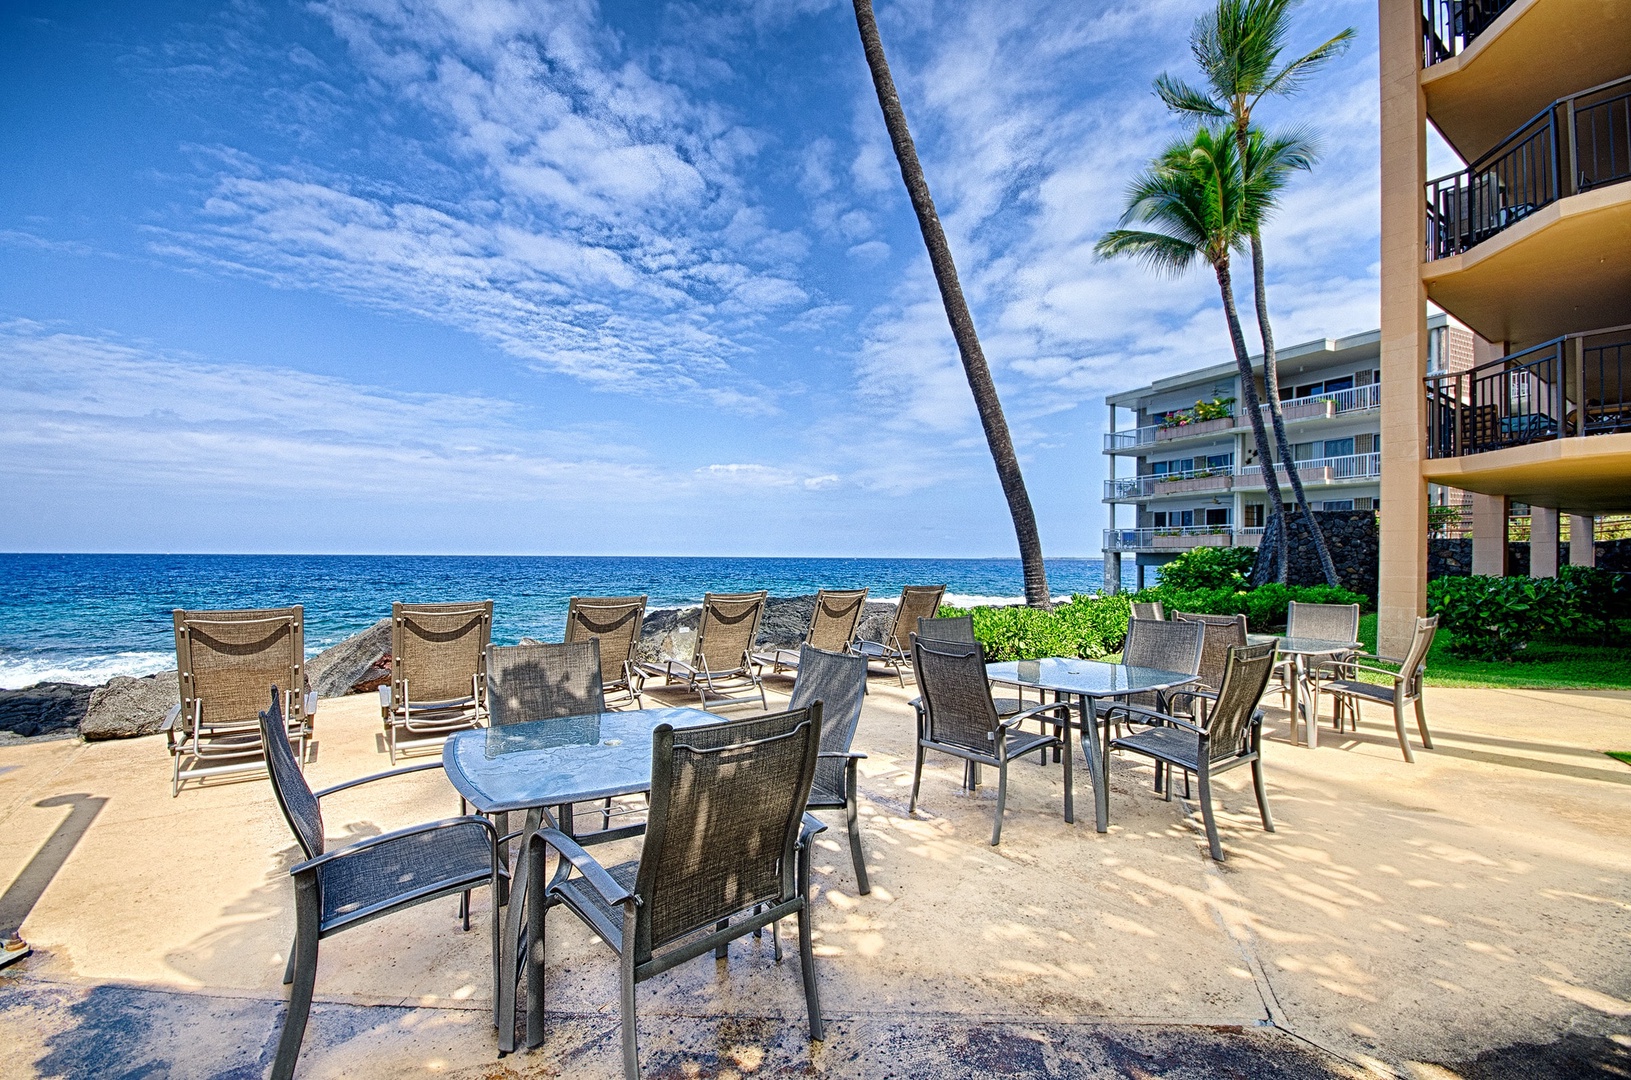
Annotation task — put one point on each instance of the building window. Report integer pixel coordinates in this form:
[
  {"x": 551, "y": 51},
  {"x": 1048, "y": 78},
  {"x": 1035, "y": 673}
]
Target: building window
[
  {"x": 1254, "y": 515},
  {"x": 1339, "y": 447},
  {"x": 1219, "y": 461},
  {"x": 1333, "y": 385},
  {"x": 1218, "y": 517},
  {"x": 1305, "y": 451},
  {"x": 1337, "y": 504},
  {"x": 1160, "y": 468}
]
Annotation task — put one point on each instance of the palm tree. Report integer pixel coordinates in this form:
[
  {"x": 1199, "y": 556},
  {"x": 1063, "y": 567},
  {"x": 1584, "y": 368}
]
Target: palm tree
[
  {"x": 1203, "y": 200},
  {"x": 957, "y": 313},
  {"x": 1238, "y": 49}
]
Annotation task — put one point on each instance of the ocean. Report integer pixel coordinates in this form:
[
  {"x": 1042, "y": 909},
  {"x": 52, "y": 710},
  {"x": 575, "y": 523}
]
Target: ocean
[{"x": 86, "y": 618}]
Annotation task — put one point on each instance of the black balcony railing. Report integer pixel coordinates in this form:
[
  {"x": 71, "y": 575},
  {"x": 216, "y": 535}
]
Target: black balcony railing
[
  {"x": 1449, "y": 26},
  {"x": 1575, "y": 385},
  {"x": 1574, "y": 144}
]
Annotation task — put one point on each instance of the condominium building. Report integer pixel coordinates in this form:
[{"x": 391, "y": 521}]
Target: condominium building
[
  {"x": 1185, "y": 472},
  {"x": 1528, "y": 243}
]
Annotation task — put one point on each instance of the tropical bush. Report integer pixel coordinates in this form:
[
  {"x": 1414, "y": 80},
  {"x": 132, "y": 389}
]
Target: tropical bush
[
  {"x": 1087, "y": 626},
  {"x": 1264, "y": 606},
  {"x": 1216, "y": 409},
  {"x": 1209, "y": 568},
  {"x": 1495, "y": 618}
]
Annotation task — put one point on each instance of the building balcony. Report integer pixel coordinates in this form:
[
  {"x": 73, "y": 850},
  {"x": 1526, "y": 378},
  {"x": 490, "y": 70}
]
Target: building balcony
[
  {"x": 1139, "y": 488},
  {"x": 1171, "y": 539},
  {"x": 1315, "y": 471},
  {"x": 1322, "y": 406},
  {"x": 1450, "y": 26}
]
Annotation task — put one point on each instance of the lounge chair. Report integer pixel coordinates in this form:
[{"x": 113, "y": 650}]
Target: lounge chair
[
  {"x": 1347, "y": 686},
  {"x": 1152, "y": 610},
  {"x": 726, "y": 853},
  {"x": 837, "y": 681},
  {"x": 721, "y": 667},
  {"x": 833, "y": 622},
  {"x": 225, "y": 660},
  {"x": 895, "y": 650},
  {"x": 959, "y": 718},
  {"x": 614, "y": 621},
  {"x": 438, "y": 673},
  {"x": 1230, "y": 736},
  {"x": 336, "y": 890}
]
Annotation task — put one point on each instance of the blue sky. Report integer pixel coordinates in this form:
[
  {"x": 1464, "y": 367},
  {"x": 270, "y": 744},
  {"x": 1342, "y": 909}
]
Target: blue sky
[{"x": 635, "y": 277}]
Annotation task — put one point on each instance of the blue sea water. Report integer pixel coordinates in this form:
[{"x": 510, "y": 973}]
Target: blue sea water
[{"x": 86, "y": 618}]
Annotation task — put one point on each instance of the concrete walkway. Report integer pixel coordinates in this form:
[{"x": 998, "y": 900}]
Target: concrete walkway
[{"x": 1465, "y": 916}]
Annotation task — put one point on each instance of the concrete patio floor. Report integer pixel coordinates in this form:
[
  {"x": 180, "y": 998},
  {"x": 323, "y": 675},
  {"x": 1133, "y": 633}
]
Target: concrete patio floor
[{"x": 1465, "y": 916}]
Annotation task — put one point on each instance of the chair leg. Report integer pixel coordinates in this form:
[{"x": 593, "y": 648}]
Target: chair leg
[
  {"x": 536, "y": 926},
  {"x": 722, "y": 951},
  {"x": 1398, "y": 723},
  {"x": 1262, "y": 795},
  {"x": 631, "y": 1027},
  {"x": 1206, "y": 814},
  {"x": 852, "y": 818},
  {"x": 1070, "y": 790},
  {"x": 1421, "y": 723},
  {"x": 1002, "y": 800},
  {"x": 307, "y": 914},
  {"x": 288, "y": 969},
  {"x": 812, "y": 995},
  {"x": 917, "y": 779}
]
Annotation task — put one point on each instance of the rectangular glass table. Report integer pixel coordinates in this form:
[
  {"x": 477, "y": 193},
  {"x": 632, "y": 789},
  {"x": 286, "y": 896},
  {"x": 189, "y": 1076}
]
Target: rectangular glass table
[
  {"x": 1300, "y": 651},
  {"x": 1088, "y": 681},
  {"x": 545, "y": 765}
]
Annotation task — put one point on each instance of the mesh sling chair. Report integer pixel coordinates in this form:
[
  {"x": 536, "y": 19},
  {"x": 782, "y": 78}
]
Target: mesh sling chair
[
  {"x": 336, "y": 890},
  {"x": 1166, "y": 646},
  {"x": 614, "y": 621},
  {"x": 1153, "y": 611},
  {"x": 721, "y": 665},
  {"x": 225, "y": 660},
  {"x": 960, "y": 629},
  {"x": 1219, "y": 634},
  {"x": 726, "y": 853},
  {"x": 1347, "y": 686},
  {"x": 960, "y": 719},
  {"x": 1324, "y": 622},
  {"x": 438, "y": 677},
  {"x": 833, "y": 622},
  {"x": 895, "y": 650},
  {"x": 838, "y": 682},
  {"x": 1230, "y": 736}
]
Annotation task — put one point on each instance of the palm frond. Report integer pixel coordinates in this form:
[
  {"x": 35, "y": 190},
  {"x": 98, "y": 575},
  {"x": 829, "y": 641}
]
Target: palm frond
[
  {"x": 1290, "y": 79},
  {"x": 1187, "y": 100},
  {"x": 1167, "y": 255}
]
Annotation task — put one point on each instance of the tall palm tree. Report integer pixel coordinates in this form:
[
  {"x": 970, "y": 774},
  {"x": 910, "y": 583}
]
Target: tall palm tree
[
  {"x": 957, "y": 313},
  {"x": 1237, "y": 47},
  {"x": 1202, "y": 199}
]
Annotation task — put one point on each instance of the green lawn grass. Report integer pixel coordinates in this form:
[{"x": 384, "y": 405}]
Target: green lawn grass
[
  {"x": 1543, "y": 665},
  {"x": 1620, "y": 755}
]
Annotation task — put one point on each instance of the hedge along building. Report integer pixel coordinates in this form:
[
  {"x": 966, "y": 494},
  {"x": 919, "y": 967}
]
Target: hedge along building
[
  {"x": 1529, "y": 245},
  {"x": 1185, "y": 470}
]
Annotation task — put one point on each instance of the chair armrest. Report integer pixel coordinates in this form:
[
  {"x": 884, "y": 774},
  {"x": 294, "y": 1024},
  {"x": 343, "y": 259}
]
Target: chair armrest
[
  {"x": 171, "y": 717},
  {"x": 1035, "y": 710},
  {"x": 391, "y": 837},
  {"x": 584, "y": 863},
  {"x": 812, "y": 825},
  {"x": 1356, "y": 668},
  {"x": 310, "y": 701},
  {"x": 385, "y": 696},
  {"x": 847, "y": 755},
  {"x": 1209, "y": 695},
  {"x": 377, "y": 776}
]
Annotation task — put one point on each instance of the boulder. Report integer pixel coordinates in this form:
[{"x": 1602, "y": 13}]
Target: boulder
[
  {"x": 44, "y": 709},
  {"x": 671, "y": 632},
  {"x": 354, "y": 665},
  {"x": 123, "y": 708}
]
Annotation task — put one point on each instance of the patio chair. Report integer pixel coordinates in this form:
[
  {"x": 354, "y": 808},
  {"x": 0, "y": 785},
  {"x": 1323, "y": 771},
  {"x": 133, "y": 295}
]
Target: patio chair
[
  {"x": 833, "y": 622},
  {"x": 438, "y": 681},
  {"x": 727, "y": 847},
  {"x": 960, "y": 719},
  {"x": 336, "y": 890},
  {"x": 1219, "y": 634},
  {"x": 1230, "y": 736},
  {"x": 225, "y": 660},
  {"x": 1153, "y": 611},
  {"x": 895, "y": 650},
  {"x": 837, "y": 681},
  {"x": 1324, "y": 622},
  {"x": 722, "y": 666},
  {"x": 544, "y": 682},
  {"x": 614, "y": 621},
  {"x": 1167, "y": 646},
  {"x": 1347, "y": 686}
]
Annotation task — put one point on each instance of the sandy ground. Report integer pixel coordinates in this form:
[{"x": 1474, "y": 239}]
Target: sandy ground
[{"x": 1463, "y": 916}]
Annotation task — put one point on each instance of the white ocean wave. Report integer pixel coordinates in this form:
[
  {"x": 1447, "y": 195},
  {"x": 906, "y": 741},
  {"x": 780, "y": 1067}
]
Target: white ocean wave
[
  {"x": 970, "y": 600},
  {"x": 17, "y": 672}
]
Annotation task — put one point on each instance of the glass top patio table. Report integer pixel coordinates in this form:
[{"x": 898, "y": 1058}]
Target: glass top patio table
[
  {"x": 1302, "y": 646},
  {"x": 1301, "y": 650}
]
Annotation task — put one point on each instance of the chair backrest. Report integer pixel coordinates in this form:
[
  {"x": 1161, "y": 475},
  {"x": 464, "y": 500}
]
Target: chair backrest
[
  {"x": 543, "y": 682},
  {"x": 615, "y": 622},
  {"x": 1325, "y": 622},
  {"x": 956, "y": 694},
  {"x": 916, "y": 602},
  {"x": 728, "y": 630},
  {"x": 836, "y": 616},
  {"x": 727, "y": 803},
  {"x": 1219, "y": 634},
  {"x": 439, "y": 651},
  {"x": 1415, "y": 660},
  {"x": 1169, "y": 646},
  {"x": 294, "y": 796},
  {"x": 225, "y": 660},
  {"x": 1245, "y": 677},
  {"x": 838, "y": 681},
  {"x": 1152, "y": 610},
  {"x": 958, "y": 628}
]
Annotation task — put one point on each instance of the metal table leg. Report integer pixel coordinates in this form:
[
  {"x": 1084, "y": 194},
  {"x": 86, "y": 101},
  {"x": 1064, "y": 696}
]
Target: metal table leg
[
  {"x": 510, "y": 944},
  {"x": 1098, "y": 763},
  {"x": 1310, "y": 722}
]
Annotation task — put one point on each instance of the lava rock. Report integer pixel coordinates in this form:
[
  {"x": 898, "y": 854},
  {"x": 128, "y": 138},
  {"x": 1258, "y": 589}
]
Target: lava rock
[
  {"x": 123, "y": 708},
  {"x": 352, "y": 666},
  {"x": 670, "y": 633},
  {"x": 44, "y": 709}
]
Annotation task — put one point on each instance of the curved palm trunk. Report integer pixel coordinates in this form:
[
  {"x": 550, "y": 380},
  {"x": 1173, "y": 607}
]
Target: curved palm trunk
[
  {"x": 1271, "y": 389},
  {"x": 1274, "y": 534},
  {"x": 957, "y": 313}
]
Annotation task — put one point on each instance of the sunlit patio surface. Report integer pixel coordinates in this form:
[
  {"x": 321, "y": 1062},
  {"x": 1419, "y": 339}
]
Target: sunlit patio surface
[{"x": 1466, "y": 916}]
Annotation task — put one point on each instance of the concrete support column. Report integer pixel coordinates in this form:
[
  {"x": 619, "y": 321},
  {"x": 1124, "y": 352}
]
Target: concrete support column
[
  {"x": 1489, "y": 514},
  {"x": 1543, "y": 541},
  {"x": 1582, "y": 540},
  {"x": 1112, "y": 573},
  {"x": 1402, "y": 583}
]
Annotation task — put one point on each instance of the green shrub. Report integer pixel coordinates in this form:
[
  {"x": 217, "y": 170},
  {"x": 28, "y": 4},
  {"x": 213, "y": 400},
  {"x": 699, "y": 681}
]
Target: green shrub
[
  {"x": 1494, "y": 618},
  {"x": 1209, "y": 568},
  {"x": 1264, "y": 606},
  {"x": 1087, "y": 626}
]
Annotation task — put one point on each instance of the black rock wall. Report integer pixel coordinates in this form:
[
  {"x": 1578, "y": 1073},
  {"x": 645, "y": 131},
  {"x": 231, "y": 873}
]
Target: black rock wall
[{"x": 1350, "y": 536}]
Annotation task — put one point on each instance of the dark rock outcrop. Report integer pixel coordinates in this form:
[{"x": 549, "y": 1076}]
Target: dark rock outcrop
[
  {"x": 1351, "y": 538},
  {"x": 50, "y": 709},
  {"x": 123, "y": 708},
  {"x": 671, "y": 632},
  {"x": 354, "y": 665}
]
